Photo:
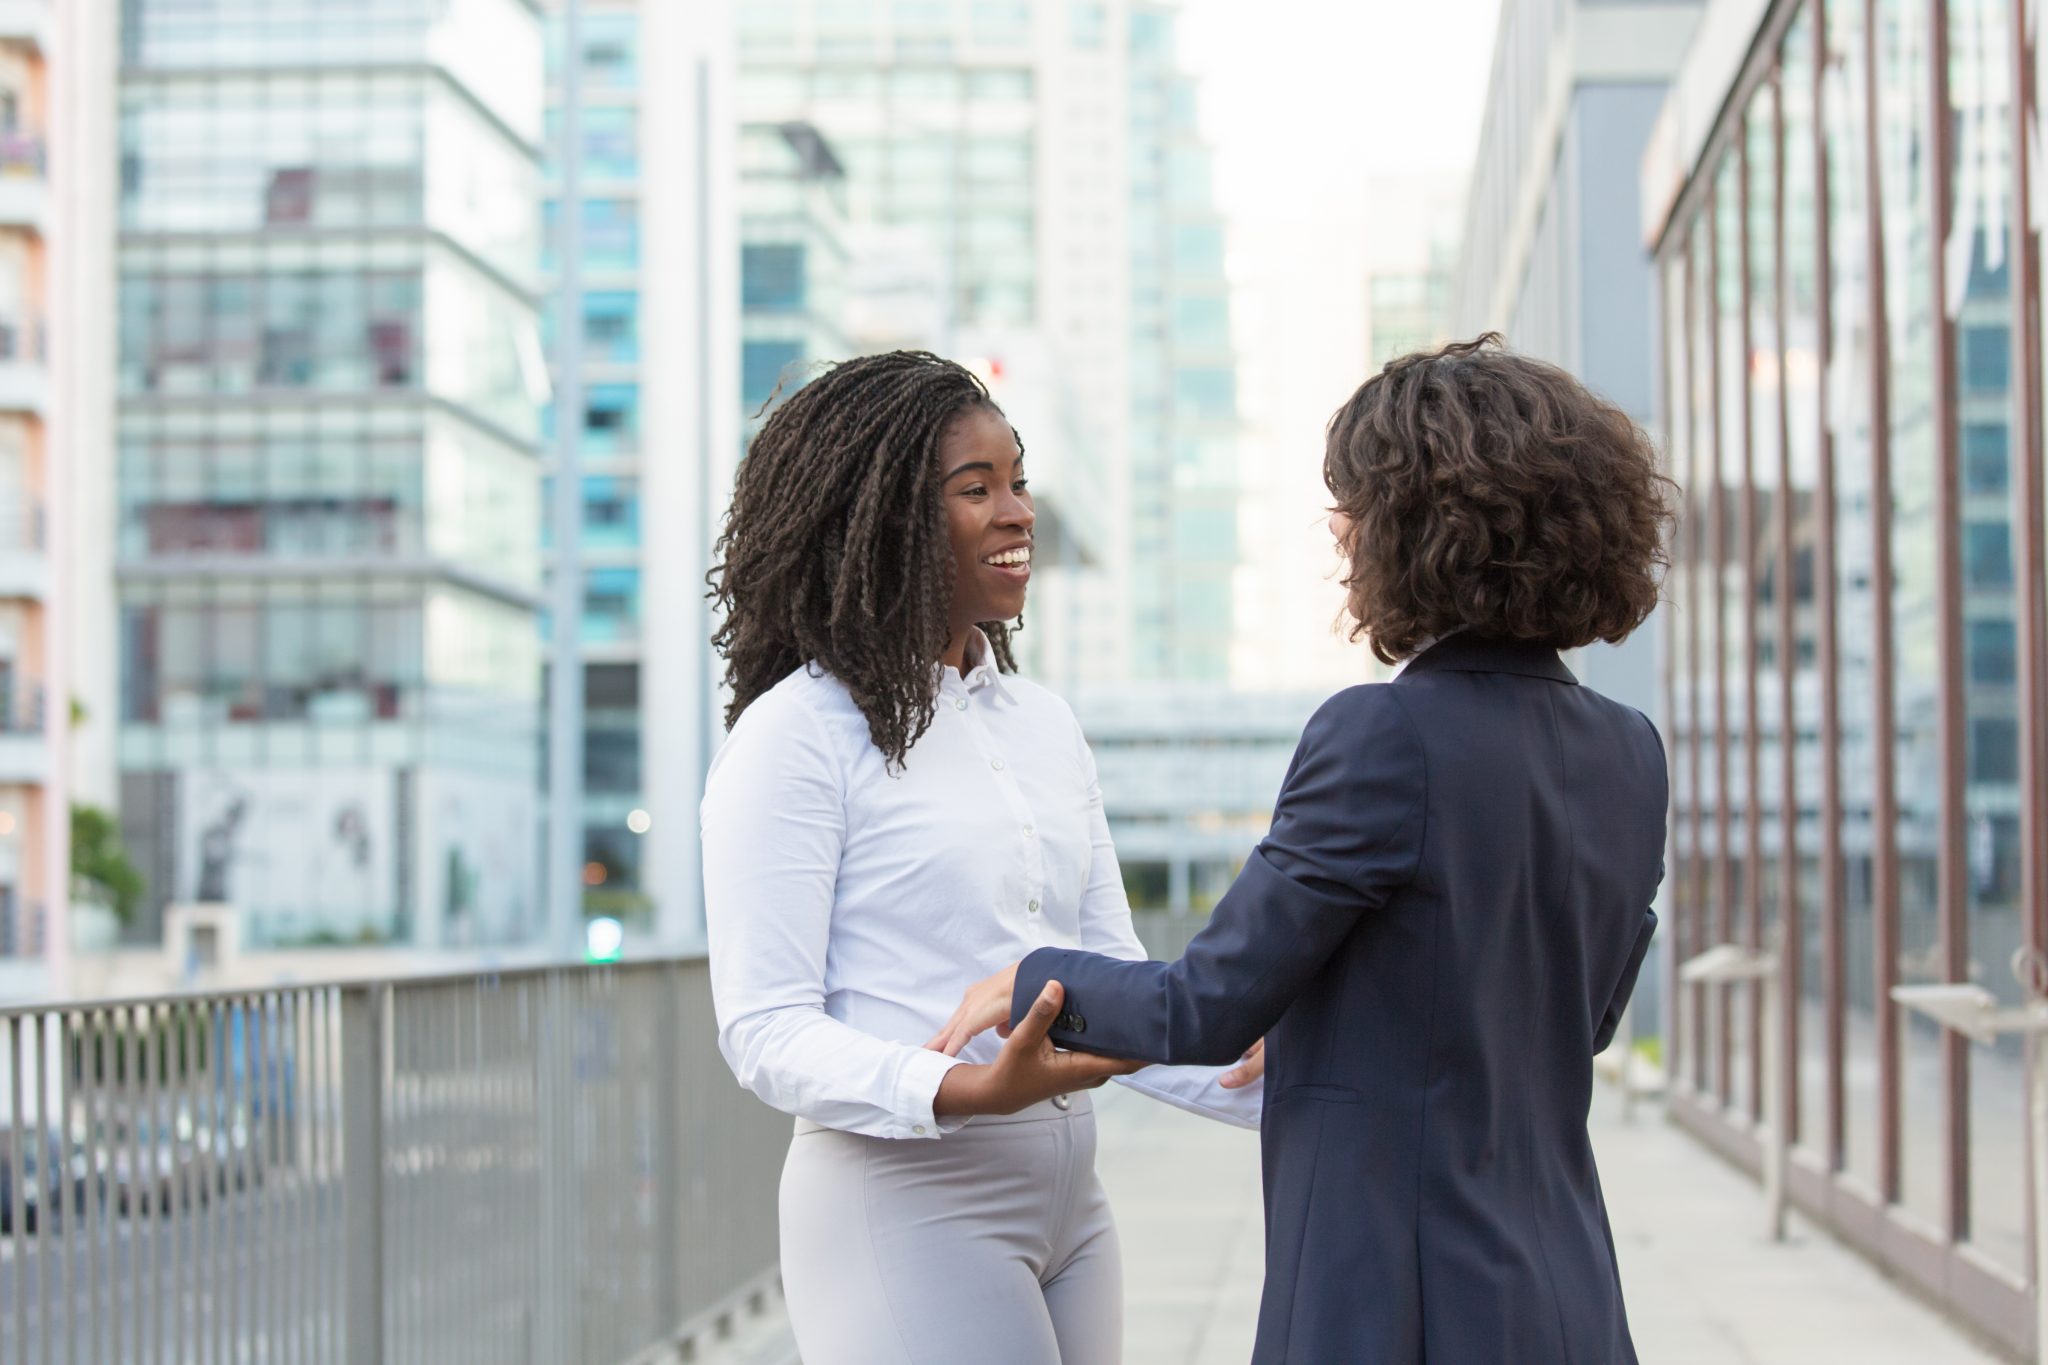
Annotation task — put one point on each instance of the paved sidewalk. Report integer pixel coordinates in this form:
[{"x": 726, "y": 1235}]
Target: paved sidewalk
[{"x": 1704, "y": 1286}]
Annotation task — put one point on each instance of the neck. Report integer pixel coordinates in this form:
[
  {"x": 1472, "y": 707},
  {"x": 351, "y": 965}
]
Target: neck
[{"x": 957, "y": 650}]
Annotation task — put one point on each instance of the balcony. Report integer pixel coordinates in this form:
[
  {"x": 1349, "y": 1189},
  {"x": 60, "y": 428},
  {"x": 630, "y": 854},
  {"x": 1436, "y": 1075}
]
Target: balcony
[
  {"x": 24, "y": 747},
  {"x": 24, "y": 378},
  {"x": 24, "y": 565},
  {"x": 26, "y": 23},
  {"x": 24, "y": 186}
]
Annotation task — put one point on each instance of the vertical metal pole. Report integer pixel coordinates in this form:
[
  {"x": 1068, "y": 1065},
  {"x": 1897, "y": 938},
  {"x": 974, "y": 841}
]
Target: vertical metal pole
[
  {"x": 2037, "y": 1105},
  {"x": 362, "y": 1172},
  {"x": 565, "y": 685},
  {"x": 668, "y": 1142},
  {"x": 1771, "y": 1093}
]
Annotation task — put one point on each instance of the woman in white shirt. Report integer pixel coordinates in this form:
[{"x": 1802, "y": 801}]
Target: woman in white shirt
[{"x": 894, "y": 815}]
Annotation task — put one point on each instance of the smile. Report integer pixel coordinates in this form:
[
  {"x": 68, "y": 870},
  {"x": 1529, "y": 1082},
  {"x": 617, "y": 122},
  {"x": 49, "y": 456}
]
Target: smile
[{"x": 1010, "y": 559}]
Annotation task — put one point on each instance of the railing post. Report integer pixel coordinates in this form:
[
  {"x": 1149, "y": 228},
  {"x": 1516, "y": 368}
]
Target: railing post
[
  {"x": 668, "y": 1140},
  {"x": 555, "y": 1314},
  {"x": 364, "y": 1010}
]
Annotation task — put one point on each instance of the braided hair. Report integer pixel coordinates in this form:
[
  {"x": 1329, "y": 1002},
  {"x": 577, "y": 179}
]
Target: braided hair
[{"x": 835, "y": 552}]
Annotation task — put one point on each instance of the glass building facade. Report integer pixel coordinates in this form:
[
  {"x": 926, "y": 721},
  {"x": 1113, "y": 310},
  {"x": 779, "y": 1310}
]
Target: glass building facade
[
  {"x": 327, "y": 472},
  {"x": 1850, "y": 290},
  {"x": 1183, "y": 377},
  {"x": 1049, "y": 159}
]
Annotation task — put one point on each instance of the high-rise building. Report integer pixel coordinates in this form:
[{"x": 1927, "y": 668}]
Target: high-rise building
[
  {"x": 793, "y": 260},
  {"x": 1048, "y": 160},
  {"x": 55, "y": 132},
  {"x": 660, "y": 432},
  {"x": 328, "y": 441},
  {"x": 1184, "y": 416},
  {"x": 1550, "y": 256}
]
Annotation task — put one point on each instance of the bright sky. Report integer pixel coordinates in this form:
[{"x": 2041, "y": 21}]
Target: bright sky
[{"x": 1313, "y": 106}]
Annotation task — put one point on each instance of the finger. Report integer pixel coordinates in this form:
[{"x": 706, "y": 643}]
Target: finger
[
  {"x": 1038, "y": 1020},
  {"x": 1003, "y": 1029}
]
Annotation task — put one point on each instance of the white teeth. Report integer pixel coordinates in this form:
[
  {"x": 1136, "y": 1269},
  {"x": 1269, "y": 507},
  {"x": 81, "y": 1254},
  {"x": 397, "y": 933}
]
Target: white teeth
[{"x": 1009, "y": 558}]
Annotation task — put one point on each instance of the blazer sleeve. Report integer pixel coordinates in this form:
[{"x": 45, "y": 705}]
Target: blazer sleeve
[
  {"x": 1347, "y": 833},
  {"x": 1626, "y": 986}
]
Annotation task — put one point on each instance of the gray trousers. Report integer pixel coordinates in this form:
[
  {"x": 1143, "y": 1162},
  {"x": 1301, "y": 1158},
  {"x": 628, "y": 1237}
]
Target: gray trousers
[{"x": 991, "y": 1246}]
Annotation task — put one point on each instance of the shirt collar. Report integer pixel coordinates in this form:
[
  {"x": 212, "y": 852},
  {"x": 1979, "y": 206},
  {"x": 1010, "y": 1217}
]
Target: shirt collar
[{"x": 981, "y": 668}]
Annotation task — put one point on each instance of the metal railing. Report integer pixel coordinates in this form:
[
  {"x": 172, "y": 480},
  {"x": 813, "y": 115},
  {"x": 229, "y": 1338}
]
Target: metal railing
[{"x": 549, "y": 1165}]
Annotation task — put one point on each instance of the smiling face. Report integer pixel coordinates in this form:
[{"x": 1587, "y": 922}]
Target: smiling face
[{"x": 989, "y": 519}]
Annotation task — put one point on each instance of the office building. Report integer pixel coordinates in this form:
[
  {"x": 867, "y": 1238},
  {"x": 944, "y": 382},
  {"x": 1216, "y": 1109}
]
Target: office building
[
  {"x": 328, "y": 444},
  {"x": 1047, "y": 159},
  {"x": 1550, "y": 258},
  {"x": 660, "y": 433},
  {"x": 1848, "y": 264}
]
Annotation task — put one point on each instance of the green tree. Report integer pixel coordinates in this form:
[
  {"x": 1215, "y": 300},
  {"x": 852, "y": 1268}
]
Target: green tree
[{"x": 99, "y": 862}]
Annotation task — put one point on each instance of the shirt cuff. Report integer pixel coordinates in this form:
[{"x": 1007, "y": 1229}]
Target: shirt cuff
[{"x": 917, "y": 1088}]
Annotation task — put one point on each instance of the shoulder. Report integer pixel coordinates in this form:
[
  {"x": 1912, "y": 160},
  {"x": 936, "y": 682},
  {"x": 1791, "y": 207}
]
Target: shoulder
[
  {"x": 1040, "y": 704},
  {"x": 1368, "y": 717},
  {"x": 809, "y": 710}
]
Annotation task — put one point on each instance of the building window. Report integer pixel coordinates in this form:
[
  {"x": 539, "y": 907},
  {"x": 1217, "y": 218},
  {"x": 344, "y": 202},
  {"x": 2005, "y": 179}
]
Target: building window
[
  {"x": 611, "y": 234},
  {"x": 611, "y": 513},
  {"x": 1987, "y": 359},
  {"x": 611, "y": 604},
  {"x": 1992, "y": 648},
  {"x": 611, "y": 327},
  {"x": 772, "y": 277},
  {"x": 1986, "y": 466},
  {"x": 1994, "y": 750},
  {"x": 763, "y": 365},
  {"x": 1987, "y": 555},
  {"x": 611, "y": 419}
]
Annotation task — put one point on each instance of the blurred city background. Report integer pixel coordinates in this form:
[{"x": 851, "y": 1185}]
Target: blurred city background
[{"x": 373, "y": 374}]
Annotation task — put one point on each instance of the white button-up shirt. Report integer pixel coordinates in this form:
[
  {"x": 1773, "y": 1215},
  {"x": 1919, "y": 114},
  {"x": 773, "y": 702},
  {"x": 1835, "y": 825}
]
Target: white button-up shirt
[{"x": 849, "y": 906}]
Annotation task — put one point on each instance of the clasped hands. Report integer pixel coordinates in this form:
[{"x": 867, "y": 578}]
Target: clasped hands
[{"x": 1029, "y": 1068}]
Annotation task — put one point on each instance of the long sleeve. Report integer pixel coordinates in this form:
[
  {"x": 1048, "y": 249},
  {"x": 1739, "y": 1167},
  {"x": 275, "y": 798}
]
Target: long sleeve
[
  {"x": 1347, "y": 833},
  {"x": 1106, "y": 928},
  {"x": 1626, "y": 986},
  {"x": 774, "y": 822}
]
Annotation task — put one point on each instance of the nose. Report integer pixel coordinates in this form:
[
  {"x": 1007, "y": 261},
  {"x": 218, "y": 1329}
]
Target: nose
[{"x": 1017, "y": 511}]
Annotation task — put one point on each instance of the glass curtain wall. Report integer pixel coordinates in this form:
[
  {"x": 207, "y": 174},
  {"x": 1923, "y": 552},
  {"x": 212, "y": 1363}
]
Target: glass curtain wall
[{"x": 1847, "y": 404}]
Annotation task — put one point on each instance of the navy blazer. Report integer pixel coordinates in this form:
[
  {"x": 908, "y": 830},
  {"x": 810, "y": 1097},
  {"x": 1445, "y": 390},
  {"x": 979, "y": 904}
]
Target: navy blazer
[{"x": 1435, "y": 938}]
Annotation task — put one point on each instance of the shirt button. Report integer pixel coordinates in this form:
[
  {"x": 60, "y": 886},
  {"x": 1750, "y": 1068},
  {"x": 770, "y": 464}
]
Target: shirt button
[
  {"x": 918, "y": 1130},
  {"x": 959, "y": 703},
  {"x": 1029, "y": 832},
  {"x": 996, "y": 763},
  {"x": 1033, "y": 907}
]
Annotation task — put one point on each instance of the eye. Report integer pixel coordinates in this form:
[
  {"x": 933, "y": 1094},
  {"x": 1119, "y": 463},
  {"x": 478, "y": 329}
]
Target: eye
[
  {"x": 1020, "y": 486},
  {"x": 974, "y": 490}
]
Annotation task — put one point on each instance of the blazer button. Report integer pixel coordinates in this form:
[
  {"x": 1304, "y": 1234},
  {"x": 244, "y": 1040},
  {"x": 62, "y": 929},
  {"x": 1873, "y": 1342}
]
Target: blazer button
[{"x": 1079, "y": 1025}]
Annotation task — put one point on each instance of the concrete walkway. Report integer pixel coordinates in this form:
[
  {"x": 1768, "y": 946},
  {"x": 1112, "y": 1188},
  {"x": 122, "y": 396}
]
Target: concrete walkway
[{"x": 1704, "y": 1286}]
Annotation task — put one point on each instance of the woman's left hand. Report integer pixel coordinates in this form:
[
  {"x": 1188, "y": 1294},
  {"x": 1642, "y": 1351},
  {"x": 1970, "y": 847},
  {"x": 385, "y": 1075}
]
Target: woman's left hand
[
  {"x": 985, "y": 1006},
  {"x": 1249, "y": 1067}
]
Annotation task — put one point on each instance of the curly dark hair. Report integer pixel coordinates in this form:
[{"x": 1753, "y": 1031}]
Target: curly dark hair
[
  {"x": 835, "y": 551},
  {"x": 1491, "y": 492}
]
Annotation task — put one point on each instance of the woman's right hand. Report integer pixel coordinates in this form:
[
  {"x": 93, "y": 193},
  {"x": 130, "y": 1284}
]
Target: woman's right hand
[{"x": 1027, "y": 1070}]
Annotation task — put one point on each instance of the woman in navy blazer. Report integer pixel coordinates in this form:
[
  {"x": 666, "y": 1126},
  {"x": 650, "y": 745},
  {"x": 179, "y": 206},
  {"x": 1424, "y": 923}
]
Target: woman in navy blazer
[{"x": 1448, "y": 915}]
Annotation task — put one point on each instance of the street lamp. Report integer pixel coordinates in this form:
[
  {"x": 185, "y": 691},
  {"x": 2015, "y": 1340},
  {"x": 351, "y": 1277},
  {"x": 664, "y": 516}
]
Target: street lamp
[
  {"x": 1966, "y": 1008},
  {"x": 1724, "y": 964}
]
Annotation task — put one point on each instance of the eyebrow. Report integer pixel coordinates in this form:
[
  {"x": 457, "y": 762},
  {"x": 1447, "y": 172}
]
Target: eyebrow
[{"x": 953, "y": 474}]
